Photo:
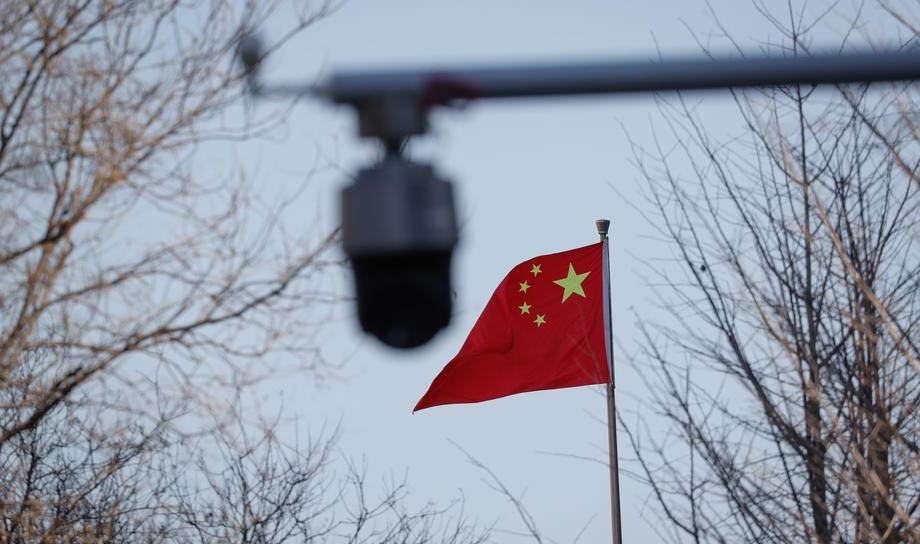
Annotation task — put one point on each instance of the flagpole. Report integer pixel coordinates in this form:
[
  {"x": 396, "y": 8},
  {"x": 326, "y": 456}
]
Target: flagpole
[{"x": 603, "y": 226}]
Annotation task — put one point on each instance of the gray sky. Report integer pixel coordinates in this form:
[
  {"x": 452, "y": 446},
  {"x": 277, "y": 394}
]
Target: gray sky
[{"x": 531, "y": 177}]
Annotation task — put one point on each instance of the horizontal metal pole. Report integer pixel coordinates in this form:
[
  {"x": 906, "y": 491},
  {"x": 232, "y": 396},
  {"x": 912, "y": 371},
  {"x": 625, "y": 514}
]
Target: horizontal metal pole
[{"x": 444, "y": 85}]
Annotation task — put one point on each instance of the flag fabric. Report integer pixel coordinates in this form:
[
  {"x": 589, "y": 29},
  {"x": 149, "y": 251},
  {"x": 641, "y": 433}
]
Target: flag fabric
[{"x": 544, "y": 328}]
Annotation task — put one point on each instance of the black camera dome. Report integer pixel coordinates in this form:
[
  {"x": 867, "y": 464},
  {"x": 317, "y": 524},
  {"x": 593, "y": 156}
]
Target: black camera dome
[{"x": 399, "y": 230}]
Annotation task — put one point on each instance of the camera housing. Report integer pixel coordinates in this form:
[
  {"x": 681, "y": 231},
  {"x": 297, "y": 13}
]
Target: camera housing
[{"x": 399, "y": 230}]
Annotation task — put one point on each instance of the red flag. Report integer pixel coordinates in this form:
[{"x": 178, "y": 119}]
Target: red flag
[{"x": 543, "y": 328}]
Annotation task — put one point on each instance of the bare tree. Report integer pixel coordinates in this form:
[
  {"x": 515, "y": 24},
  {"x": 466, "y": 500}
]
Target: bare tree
[
  {"x": 788, "y": 378},
  {"x": 118, "y": 251},
  {"x": 142, "y": 289},
  {"x": 65, "y": 480},
  {"x": 249, "y": 487}
]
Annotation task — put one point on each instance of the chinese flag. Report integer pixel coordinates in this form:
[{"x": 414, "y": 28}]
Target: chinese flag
[{"x": 543, "y": 328}]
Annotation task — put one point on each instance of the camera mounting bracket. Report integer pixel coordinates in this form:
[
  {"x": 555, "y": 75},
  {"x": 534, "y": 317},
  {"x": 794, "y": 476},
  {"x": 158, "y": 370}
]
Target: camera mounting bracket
[{"x": 388, "y": 208}]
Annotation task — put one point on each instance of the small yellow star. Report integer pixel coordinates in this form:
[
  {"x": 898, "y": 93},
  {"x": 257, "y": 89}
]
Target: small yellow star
[
  {"x": 535, "y": 269},
  {"x": 524, "y": 287},
  {"x": 572, "y": 283},
  {"x": 525, "y": 308},
  {"x": 539, "y": 320}
]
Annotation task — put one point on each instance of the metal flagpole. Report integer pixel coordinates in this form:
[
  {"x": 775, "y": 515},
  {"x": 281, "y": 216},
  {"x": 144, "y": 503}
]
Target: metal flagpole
[{"x": 603, "y": 226}]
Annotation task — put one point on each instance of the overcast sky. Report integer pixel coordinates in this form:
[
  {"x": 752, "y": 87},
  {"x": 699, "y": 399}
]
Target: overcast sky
[{"x": 531, "y": 177}]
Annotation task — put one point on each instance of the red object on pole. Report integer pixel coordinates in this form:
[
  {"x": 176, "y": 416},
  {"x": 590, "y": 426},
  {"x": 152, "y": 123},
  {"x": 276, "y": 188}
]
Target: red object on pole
[{"x": 543, "y": 328}]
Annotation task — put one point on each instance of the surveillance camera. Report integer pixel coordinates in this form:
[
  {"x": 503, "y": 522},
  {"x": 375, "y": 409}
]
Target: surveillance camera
[
  {"x": 250, "y": 51},
  {"x": 399, "y": 230}
]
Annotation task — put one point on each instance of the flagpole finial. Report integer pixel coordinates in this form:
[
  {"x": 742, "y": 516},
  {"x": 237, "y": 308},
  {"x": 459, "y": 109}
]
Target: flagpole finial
[{"x": 603, "y": 226}]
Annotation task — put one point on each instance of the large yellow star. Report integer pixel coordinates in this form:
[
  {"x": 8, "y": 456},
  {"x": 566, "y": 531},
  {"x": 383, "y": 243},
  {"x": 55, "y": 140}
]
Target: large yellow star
[{"x": 572, "y": 283}]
